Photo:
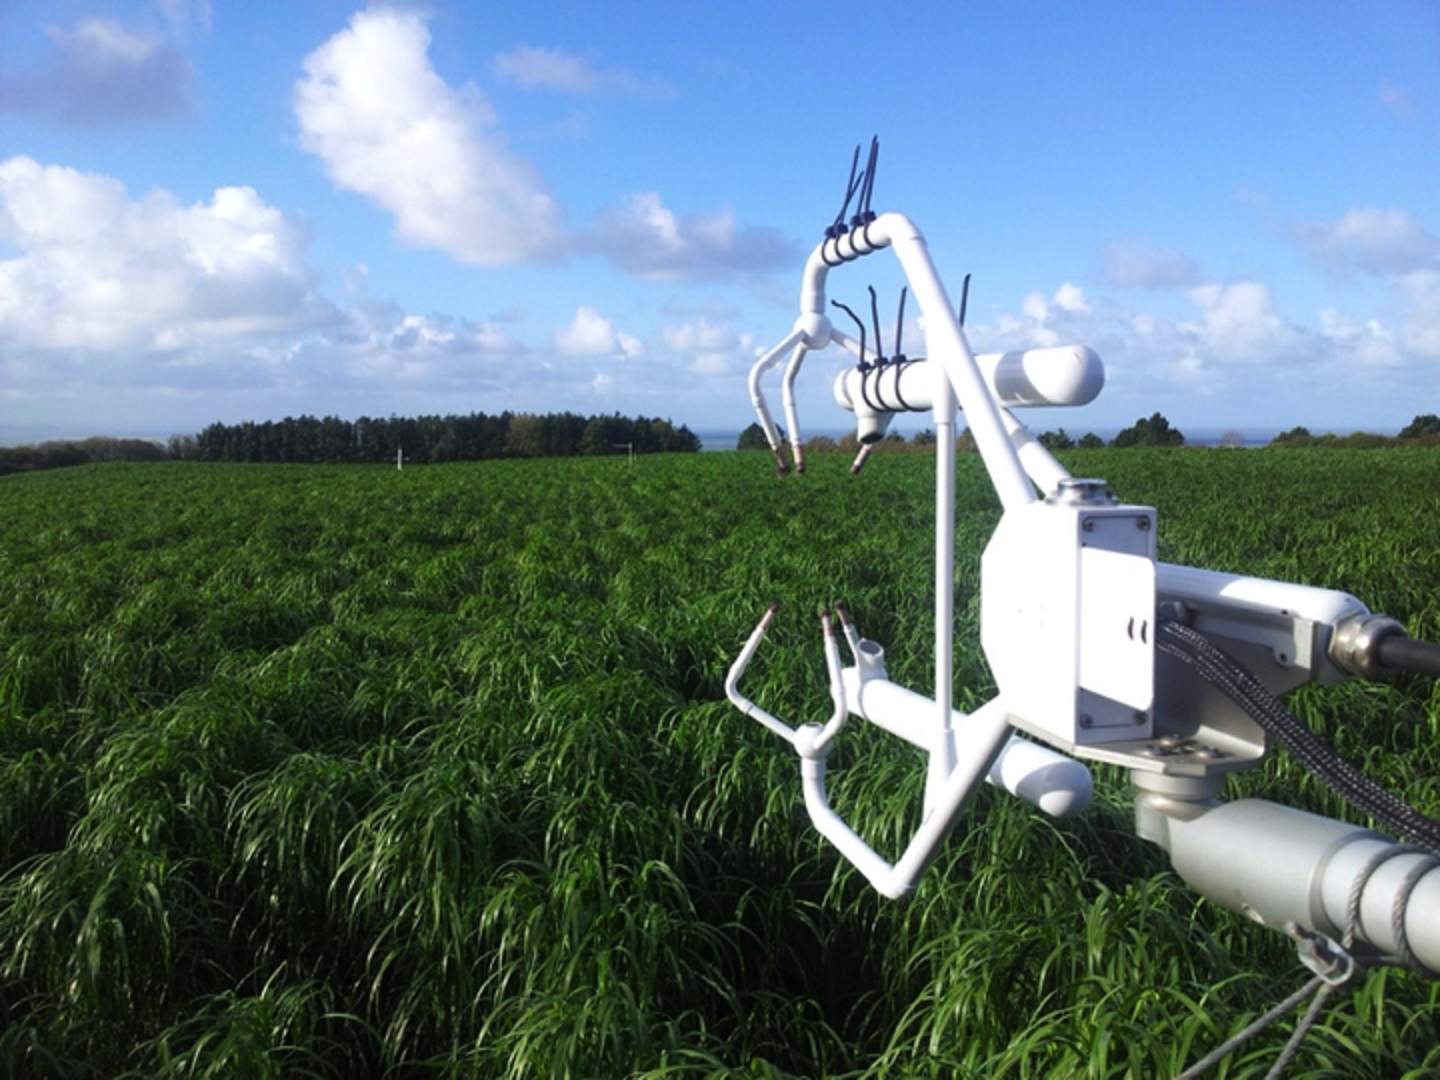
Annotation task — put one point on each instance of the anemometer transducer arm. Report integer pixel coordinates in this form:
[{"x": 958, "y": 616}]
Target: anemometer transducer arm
[{"x": 1099, "y": 650}]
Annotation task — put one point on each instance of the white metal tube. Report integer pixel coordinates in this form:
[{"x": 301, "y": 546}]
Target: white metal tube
[
  {"x": 1060, "y": 375},
  {"x": 792, "y": 415},
  {"x": 1056, "y": 784},
  {"x": 986, "y": 733},
  {"x": 757, "y": 395},
  {"x": 942, "y": 754},
  {"x": 861, "y": 854},
  {"x": 737, "y": 669},
  {"x": 984, "y": 736},
  {"x": 1040, "y": 465},
  {"x": 945, "y": 342},
  {"x": 1261, "y": 596},
  {"x": 837, "y": 687}
]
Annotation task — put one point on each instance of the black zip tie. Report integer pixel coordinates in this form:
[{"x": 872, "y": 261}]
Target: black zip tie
[
  {"x": 900, "y": 326},
  {"x": 863, "y": 214},
  {"x": 899, "y": 357},
  {"x": 862, "y": 364},
  {"x": 837, "y": 229},
  {"x": 880, "y": 360},
  {"x": 964, "y": 299}
]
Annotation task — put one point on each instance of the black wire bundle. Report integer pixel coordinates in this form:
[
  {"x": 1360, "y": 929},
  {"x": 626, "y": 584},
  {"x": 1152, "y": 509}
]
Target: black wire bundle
[{"x": 1231, "y": 678}]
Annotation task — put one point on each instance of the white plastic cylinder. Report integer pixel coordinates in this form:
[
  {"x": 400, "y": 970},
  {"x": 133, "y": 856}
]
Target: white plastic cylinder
[{"x": 1056, "y": 784}]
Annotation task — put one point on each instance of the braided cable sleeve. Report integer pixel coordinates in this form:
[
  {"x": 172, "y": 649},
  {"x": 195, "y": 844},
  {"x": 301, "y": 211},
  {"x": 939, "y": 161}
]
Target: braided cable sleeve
[{"x": 1226, "y": 674}]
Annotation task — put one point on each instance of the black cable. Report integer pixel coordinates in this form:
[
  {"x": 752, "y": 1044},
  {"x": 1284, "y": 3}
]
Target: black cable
[
  {"x": 875, "y": 320},
  {"x": 1401, "y": 653},
  {"x": 900, "y": 325},
  {"x": 1231, "y": 678},
  {"x": 964, "y": 298},
  {"x": 863, "y": 214},
  {"x": 861, "y": 363},
  {"x": 838, "y": 227}
]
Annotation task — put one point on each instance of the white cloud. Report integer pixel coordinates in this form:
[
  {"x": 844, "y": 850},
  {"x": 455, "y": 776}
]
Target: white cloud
[
  {"x": 541, "y": 68},
  {"x": 1367, "y": 345},
  {"x": 702, "y": 335},
  {"x": 1233, "y": 340},
  {"x": 1422, "y": 321},
  {"x": 592, "y": 334},
  {"x": 386, "y": 125},
  {"x": 102, "y": 72},
  {"x": 645, "y": 236},
  {"x": 709, "y": 349},
  {"x": 383, "y": 344},
  {"x": 1379, "y": 241},
  {"x": 100, "y": 271},
  {"x": 1138, "y": 265},
  {"x": 1070, "y": 297},
  {"x": 1239, "y": 324}
]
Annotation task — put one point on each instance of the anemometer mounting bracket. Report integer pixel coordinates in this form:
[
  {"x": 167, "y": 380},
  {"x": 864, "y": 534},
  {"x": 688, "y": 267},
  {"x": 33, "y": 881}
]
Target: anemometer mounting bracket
[{"x": 1074, "y": 604}]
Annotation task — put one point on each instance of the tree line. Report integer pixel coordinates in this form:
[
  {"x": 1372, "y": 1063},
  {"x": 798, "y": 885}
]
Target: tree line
[
  {"x": 57, "y": 454},
  {"x": 1151, "y": 431},
  {"x": 433, "y": 439},
  {"x": 331, "y": 440},
  {"x": 1154, "y": 430}
]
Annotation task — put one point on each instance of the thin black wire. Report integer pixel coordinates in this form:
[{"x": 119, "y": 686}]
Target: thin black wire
[
  {"x": 864, "y": 214},
  {"x": 838, "y": 226}
]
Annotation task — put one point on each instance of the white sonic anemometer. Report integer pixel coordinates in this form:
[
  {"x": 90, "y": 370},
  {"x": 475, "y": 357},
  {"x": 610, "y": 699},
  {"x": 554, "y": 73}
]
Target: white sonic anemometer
[{"x": 1099, "y": 650}]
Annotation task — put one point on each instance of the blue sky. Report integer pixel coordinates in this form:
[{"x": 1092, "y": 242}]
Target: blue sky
[{"x": 225, "y": 211}]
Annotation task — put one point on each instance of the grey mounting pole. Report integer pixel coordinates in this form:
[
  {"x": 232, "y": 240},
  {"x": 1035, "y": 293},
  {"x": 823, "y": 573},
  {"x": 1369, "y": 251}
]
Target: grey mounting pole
[{"x": 1278, "y": 865}]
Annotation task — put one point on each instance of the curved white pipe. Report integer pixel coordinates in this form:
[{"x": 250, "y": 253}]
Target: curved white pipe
[
  {"x": 737, "y": 669},
  {"x": 792, "y": 415},
  {"x": 757, "y": 395},
  {"x": 986, "y": 732},
  {"x": 945, "y": 342}
]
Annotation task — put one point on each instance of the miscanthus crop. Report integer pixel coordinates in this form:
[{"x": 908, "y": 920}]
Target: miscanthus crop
[{"x": 346, "y": 772}]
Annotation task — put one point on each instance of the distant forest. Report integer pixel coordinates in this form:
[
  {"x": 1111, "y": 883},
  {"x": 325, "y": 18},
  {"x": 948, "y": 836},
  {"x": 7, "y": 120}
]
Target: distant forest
[
  {"x": 424, "y": 439},
  {"x": 433, "y": 439}
]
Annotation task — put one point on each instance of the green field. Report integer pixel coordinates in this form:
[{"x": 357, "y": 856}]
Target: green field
[{"x": 347, "y": 772}]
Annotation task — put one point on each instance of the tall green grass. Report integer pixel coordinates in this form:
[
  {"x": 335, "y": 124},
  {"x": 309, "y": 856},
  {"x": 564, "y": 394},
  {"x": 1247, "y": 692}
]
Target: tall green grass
[{"x": 351, "y": 772}]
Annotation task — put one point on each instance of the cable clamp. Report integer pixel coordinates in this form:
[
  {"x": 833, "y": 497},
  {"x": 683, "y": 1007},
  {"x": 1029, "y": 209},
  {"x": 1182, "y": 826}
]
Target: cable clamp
[{"x": 1322, "y": 955}]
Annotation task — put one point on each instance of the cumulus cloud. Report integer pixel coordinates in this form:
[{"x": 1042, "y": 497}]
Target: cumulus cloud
[
  {"x": 1138, "y": 265},
  {"x": 1384, "y": 242},
  {"x": 646, "y": 237},
  {"x": 1396, "y": 248},
  {"x": 99, "y": 270},
  {"x": 540, "y": 68},
  {"x": 1239, "y": 324},
  {"x": 709, "y": 348},
  {"x": 383, "y": 344},
  {"x": 592, "y": 334},
  {"x": 1422, "y": 321},
  {"x": 386, "y": 125},
  {"x": 100, "y": 72},
  {"x": 1232, "y": 335}
]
